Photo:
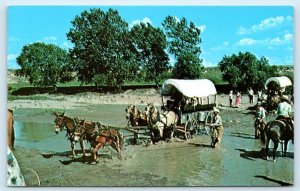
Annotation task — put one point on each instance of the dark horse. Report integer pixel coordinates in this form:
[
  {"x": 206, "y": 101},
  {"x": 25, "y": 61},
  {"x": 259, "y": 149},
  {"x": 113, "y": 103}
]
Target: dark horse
[
  {"x": 276, "y": 131},
  {"x": 10, "y": 129},
  {"x": 73, "y": 130}
]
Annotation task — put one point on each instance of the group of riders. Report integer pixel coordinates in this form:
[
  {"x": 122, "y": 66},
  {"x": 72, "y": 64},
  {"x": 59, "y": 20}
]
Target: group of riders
[{"x": 284, "y": 111}]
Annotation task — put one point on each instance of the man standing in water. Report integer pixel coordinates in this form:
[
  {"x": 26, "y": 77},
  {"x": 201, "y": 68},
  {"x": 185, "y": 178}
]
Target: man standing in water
[{"x": 218, "y": 129}]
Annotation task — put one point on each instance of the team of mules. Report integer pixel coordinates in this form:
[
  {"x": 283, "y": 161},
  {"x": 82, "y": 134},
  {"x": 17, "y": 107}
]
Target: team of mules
[
  {"x": 135, "y": 117},
  {"x": 96, "y": 134},
  {"x": 158, "y": 123},
  {"x": 278, "y": 131}
]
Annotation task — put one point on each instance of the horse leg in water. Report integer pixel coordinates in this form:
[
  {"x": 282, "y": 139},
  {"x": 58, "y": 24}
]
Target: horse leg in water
[
  {"x": 285, "y": 147},
  {"x": 267, "y": 148},
  {"x": 95, "y": 151},
  {"x": 82, "y": 147},
  {"x": 73, "y": 149},
  {"x": 116, "y": 147},
  {"x": 276, "y": 143}
]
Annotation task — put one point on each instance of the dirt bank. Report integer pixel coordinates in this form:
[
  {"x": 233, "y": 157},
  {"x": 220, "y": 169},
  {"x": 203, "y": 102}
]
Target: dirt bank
[{"x": 138, "y": 97}]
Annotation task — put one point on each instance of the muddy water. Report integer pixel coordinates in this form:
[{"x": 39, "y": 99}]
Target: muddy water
[{"x": 190, "y": 163}]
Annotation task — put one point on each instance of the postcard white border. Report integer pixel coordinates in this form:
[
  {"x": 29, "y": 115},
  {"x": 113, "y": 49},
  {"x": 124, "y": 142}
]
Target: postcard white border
[{"x": 3, "y": 85}]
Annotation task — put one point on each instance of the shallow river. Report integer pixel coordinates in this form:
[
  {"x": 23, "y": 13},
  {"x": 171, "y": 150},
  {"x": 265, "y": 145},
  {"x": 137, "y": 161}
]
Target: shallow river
[{"x": 239, "y": 162}]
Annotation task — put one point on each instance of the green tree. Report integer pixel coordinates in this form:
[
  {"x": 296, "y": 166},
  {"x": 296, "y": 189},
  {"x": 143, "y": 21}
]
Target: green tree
[
  {"x": 44, "y": 64},
  {"x": 151, "y": 44},
  {"x": 184, "y": 43},
  {"x": 187, "y": 67},
  {"x": 245, "y": 70},
  {"x": 103, "y": 53}
]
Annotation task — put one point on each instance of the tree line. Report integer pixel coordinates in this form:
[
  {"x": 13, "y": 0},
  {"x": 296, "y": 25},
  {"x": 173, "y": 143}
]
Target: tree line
[{"x": 107, "y": 51}]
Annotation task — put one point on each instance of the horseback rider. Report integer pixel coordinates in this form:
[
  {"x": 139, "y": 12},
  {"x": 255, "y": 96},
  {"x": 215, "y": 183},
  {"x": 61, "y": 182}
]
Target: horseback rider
[
  {"x": 260, "y": 119},
  {"x": 218, "y": 126},
  {"x": 284, "y": 111}
]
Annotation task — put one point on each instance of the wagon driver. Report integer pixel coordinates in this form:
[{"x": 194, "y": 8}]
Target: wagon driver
[{"x": 218, "y": 126}]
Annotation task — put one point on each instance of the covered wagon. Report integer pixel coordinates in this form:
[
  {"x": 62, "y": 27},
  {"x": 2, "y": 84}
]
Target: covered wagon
[
  {"x": 192, "y": 101},
  {"x": 278, "y": 84},
  {"x": 275, "y": 88}
]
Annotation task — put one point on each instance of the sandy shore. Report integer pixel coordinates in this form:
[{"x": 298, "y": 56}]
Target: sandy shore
[{"x": 138, "y": 97}]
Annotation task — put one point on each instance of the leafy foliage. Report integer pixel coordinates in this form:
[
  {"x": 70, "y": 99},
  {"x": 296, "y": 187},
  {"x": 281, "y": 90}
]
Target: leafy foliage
[
  {"x": 150, "y": 43},
  {"x": 102, "y": 48},
  {"x": 184, "y": 43},
  {"x": 187, "y": 67},
  {"x": 44, "y": 64},
  {"x": 245, "y": 70}
]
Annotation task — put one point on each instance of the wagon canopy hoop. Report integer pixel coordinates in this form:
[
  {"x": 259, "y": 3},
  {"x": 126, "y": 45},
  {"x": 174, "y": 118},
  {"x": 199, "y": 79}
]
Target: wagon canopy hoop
[
  {"x": 189, "y": 88},
  {"x": 282, "y": 81}
]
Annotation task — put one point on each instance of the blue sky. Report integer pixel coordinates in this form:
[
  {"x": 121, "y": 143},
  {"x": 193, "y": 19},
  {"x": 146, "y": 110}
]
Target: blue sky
[{"x": 262, "y": 30}]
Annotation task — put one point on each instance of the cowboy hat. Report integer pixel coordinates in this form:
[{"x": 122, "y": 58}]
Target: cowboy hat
[
  {"x": 216, "y": 110},
  {"x": 284, "y": 98}
]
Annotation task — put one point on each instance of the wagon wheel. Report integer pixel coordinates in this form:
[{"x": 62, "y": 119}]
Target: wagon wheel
[
  {"x": 208, "y": 121},
  {"x": 187, "y": 133}
]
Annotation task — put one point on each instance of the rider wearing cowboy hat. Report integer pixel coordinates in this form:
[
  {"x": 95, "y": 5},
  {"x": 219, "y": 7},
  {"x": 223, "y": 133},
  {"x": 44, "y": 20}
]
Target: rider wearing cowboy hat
[
  {"x": 218, "y": 126},
  {"x": 284, "y": 111},
  {"x": 284, "y": 108}
]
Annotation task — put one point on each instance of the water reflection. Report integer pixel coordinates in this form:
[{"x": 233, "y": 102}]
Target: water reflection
[
  {"x": 37, "y": 135},
  {"x": 33, "y": 131}
]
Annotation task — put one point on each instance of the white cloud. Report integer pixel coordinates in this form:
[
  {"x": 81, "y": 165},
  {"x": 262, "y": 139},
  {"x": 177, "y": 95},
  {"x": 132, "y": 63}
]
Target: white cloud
[
  {"x": 49, "y": 39},
  {"x": 223, "y": 46},
  {"x": 242, "y": 30},
  {"x": 11, "y": 57},
  {"x": 207, "y": 63},
  {"x": 67, "y": 45},
  {"x": 13, "y": 65},
  {"x": 11, "y": 61},
  {"x": 277, "y": 41},
  {"x": 270, "y": 42},
  {"x": 288, "y": 37},
  {"x": 265, "y": 24},
  {"x": 268, "y": 23},
  {"x": 145, "y": 20},
  {"x": 13, "y": 39},
  {"x": 202, "y": 28},
  {"x": 246, "y": 42},
  {"x": 288, "y": 60}
]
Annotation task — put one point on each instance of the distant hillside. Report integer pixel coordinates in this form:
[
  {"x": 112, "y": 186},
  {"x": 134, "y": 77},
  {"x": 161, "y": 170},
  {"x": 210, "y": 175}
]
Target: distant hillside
[{"x": 13, "y": 79}]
